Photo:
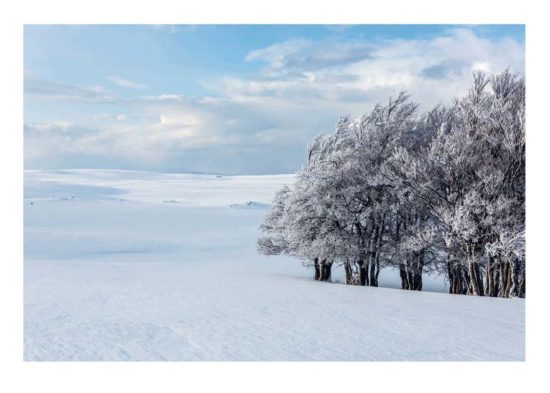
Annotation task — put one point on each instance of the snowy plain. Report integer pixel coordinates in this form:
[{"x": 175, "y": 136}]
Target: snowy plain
[{"x": 128, "y": 265}]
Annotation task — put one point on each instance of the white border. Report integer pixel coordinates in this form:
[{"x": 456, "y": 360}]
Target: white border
[{"x": 271, "y": 377}]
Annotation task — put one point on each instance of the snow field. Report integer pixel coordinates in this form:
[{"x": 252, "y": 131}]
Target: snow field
[{"x": 124, "y": 265}]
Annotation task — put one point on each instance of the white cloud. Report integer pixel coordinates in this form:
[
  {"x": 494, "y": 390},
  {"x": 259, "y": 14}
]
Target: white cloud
[
  {"x": 126, "y": 83},
  {"x": 37, "y": 89},
  {"x": 482, "y": 66},
  {"x": 164, "y": 97},
  {"x": 433, "y": 70},
  {"x": 262, "y": 122},
  {"x": 297, "y": 57}
]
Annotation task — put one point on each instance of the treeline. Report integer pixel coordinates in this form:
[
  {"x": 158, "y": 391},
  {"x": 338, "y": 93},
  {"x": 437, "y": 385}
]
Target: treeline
[{"x": 437, "y": 192}]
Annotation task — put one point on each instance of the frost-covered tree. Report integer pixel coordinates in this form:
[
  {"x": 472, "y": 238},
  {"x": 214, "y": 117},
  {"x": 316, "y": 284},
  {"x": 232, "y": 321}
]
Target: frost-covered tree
[
  {"x": 472, "y": 178},
  {"x": 415, "y": 240},
  {"x": 273, "y": 242},
  {"x": 443, "y": 191}
]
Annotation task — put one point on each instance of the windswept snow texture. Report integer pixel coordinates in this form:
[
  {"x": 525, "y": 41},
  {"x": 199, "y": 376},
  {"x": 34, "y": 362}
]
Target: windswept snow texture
[{"x": 123, "y": 265}]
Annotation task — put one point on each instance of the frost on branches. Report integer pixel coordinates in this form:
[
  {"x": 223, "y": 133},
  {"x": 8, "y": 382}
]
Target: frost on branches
[{"x": 440, "y": 192}]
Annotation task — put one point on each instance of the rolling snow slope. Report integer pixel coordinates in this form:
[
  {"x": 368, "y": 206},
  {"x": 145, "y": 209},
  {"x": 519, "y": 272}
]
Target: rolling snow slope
[{"x": 124, "y": 265}]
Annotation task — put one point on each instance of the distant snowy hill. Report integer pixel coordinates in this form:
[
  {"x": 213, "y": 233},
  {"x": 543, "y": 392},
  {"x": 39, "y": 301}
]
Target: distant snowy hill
[
  {"x": 129, "y": 265},
  {"x": 137, "y": 186}
]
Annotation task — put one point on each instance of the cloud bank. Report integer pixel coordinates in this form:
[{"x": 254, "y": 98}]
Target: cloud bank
[{"x": 254, "y": 123}]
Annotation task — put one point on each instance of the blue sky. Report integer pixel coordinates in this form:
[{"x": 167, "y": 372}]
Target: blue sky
[{"x": 231, "y": 98}]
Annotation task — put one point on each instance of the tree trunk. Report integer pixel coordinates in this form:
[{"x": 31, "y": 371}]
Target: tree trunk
[
  {"x": 365, "y": 272},
  {"x": 459, "y": 283},
  {"x": 419, "y": 282},
  {"x": 362, "y": 273},
  {"x": 317, "y": 269},
  {"x": 377, "y": 268},
  {"x": 465, "y": 280},
  {"x": 327, "y": 271},
  {"x": 403, "y": 275},
  {"x": 518, "y": 277},
  {"x": 508, "y": 286},
  {"x": 411, "y": 274},
  {"x": 452, "y": 277},
  {"x": 522, "y": 281},
  {"x": 503, "y": 274},
  {"x": 349, "y": 273},
  {"x": 473, "y": 290},
  {"x": 490, "y": 279},
  {"x": 373, "y": 279}
]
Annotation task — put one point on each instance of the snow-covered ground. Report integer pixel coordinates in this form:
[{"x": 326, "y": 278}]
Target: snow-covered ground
[{"x": 125, "y": 265}]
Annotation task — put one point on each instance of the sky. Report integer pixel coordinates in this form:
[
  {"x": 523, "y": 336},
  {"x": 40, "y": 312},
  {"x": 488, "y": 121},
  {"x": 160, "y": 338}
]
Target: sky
[{"x": 232, "y": 99}]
